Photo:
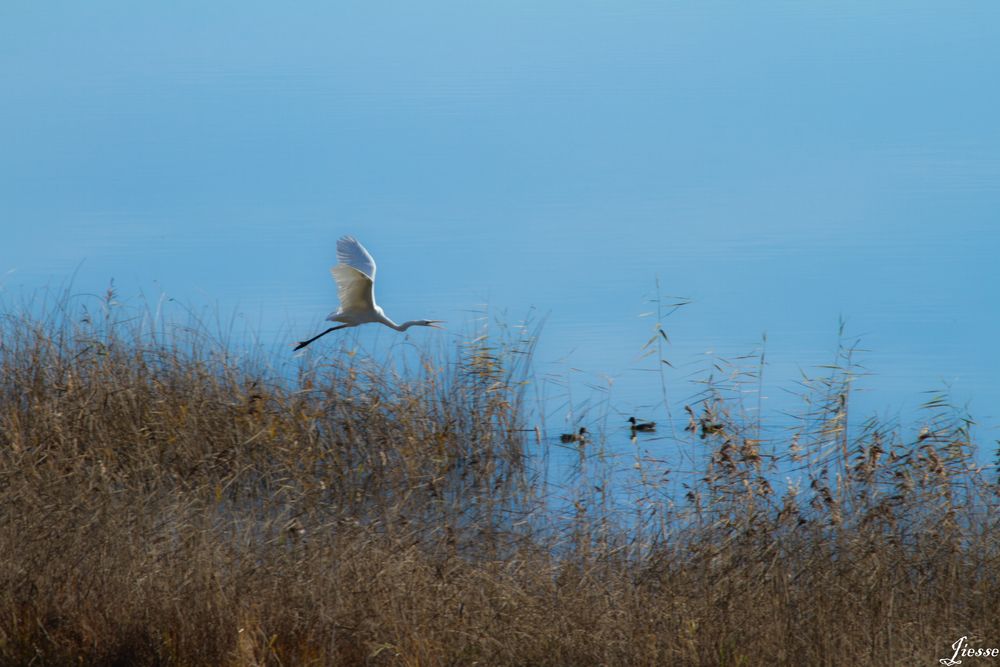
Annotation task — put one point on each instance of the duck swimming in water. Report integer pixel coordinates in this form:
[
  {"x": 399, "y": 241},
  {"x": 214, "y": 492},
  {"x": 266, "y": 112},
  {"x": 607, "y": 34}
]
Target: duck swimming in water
[
  {"x": 642, "y": 426},
  {"x": 574, "y": 437}
]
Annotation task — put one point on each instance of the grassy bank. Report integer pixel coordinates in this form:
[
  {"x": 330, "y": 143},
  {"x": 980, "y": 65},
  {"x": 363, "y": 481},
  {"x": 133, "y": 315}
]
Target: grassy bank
[{"x": 170, "y": 500}]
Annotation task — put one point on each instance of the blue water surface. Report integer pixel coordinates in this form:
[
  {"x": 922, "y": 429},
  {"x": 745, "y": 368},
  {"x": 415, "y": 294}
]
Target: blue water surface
[{"x": 784, "y": 166}]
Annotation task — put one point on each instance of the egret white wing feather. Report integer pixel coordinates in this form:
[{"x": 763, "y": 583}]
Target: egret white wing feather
[
  {"x": 355, "y": 290},
  {"x": 353, "y": 254}
]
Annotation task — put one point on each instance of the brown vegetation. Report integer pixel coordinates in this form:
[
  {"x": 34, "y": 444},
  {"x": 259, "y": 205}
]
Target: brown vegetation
[{"x": 166, "y": 502}]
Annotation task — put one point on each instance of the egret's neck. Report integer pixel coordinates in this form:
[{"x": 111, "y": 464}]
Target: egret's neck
[
  {"x": 404, "y": 326},
  {"x": 392, "y": 325},
  {"x": 398, "y": 327}
]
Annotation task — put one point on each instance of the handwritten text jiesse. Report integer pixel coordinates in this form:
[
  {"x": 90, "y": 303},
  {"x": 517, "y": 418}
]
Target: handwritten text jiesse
[{"x": 962, "y": 651}]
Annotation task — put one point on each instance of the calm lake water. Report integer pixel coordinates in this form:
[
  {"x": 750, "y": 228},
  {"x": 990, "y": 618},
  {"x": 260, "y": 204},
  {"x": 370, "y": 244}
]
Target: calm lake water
[{"x": 780, "y": 165}]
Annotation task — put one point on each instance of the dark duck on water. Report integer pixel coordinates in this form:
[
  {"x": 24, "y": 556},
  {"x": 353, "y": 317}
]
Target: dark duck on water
[
  {"x": 645, "y": 427},
  {"x": 574, "y": 437}
]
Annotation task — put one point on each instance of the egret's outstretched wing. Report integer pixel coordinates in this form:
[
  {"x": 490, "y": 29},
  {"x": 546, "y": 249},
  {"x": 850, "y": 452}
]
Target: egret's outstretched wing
[
  {"x": 355, "y": 291},
  {"x": 355, "y": 276},
  {"x": 354, "y": 255}
]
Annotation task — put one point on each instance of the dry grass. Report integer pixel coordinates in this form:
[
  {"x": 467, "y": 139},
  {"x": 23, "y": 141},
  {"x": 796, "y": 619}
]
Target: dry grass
[{"x": 167, "y": 503}]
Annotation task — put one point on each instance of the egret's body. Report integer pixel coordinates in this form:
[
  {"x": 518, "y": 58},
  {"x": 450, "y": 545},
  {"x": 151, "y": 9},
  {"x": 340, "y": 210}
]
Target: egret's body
[{"x": 355, "y": 278}]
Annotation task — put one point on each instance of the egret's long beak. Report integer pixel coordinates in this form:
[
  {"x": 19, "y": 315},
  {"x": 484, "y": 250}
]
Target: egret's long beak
[{"x": 434, "y": 323}]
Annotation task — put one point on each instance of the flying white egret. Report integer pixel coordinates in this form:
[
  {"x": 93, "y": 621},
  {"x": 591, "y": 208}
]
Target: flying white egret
[{"x": 355, "y": 278}]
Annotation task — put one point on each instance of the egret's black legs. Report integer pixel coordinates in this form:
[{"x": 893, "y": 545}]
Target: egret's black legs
[{"x": 303, "y": 343}]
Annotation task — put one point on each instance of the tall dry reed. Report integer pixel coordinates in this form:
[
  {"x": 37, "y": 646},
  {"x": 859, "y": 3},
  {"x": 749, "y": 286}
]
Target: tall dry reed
[{"x": 171, "y": 499}]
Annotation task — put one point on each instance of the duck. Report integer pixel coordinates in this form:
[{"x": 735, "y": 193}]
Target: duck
[
  {"x": 574, "y": 437},
  {"x": 642, "y": 426}
]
